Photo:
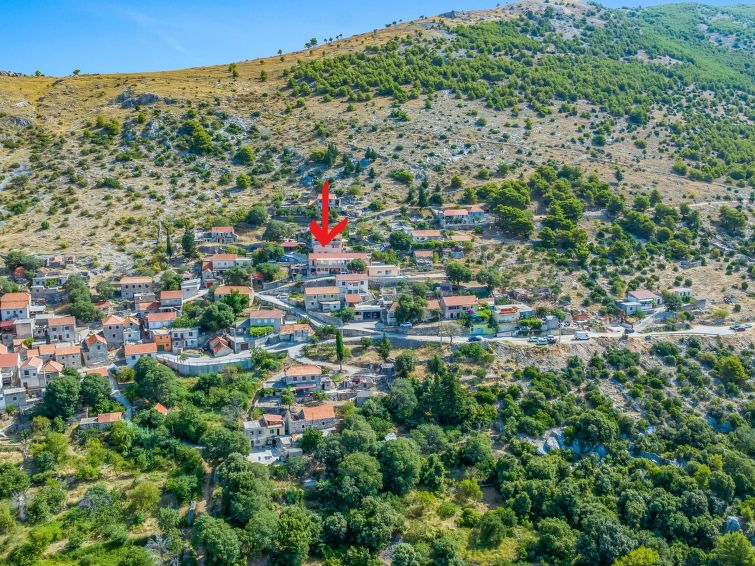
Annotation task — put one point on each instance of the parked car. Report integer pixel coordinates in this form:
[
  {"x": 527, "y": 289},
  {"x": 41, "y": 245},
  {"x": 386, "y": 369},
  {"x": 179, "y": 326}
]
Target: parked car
[
  {"x": 282, "y": 296},
  {"x": 629, "y": 331},
  {"x": 739, "y": 328},
  {"x": 581, "y": 335},
  {"x": 406, "y": 324},
  {"x": 532, "y": 339},
  {"x": 475, "y": 339},
  {"x": 551, "y": 339},
  {"x": 746, "y": 325},
  {"x": 541, "y": 341}
]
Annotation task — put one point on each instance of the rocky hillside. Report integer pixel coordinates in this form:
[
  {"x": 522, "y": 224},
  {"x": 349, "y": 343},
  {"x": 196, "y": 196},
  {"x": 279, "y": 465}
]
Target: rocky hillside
[{"x": 659, "y": 98}]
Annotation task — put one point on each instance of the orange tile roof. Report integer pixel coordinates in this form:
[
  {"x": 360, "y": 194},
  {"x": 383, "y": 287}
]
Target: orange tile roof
[
  {"x": 136, "y": 279},
  {"x": 459, "y": 301},
  {"x": 160, "y": 316},
  {"x": 286, "y": 328},
  {"x": 109, "y": 417},
  {"x": 266, "y": 313},
  {"x": 271, "y": 419},
  {"x": 171, "y": 295},
  {"x": 113, "y": 320},
  {"x": 221, "y": 230},
  {"x": 92, "y": 338},
  {"x": 426, "y": 233},
  {"x": 53, "y": 367},
  {"x": 302, "y": 369},
  {"x": 433, "y": 305},
  {"x": 353, "y": 298},
  {"x": 160, "y": 408},
  {"x": 351, "y": 277},
  {"x": 8, "y": 360},
  {"x": 318, "y": 413},
  {"x": 97, "y": 371},
  {"x": 228, "y": 289},
  {"x": 455, "y": 212},
  {"x": 222, "y": 257},
  {"x": 33, "y": 362},
  {"x": 337, "y": 255},
  {"x": 135, "y": 349},
  {"x": 325, "y": 290},
  {"x": 15, "y": 298},
  {"x": 68, "y": 351},
  {"x": 62, "y": 321}
]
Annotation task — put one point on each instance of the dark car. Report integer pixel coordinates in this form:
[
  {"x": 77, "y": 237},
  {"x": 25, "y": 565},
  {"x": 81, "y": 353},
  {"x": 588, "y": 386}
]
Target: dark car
[{"x": 475, "y": 339}]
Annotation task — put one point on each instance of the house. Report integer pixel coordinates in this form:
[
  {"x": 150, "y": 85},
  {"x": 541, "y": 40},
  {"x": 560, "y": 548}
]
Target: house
[
  {"x": 265, "y": 430},
  {"x": 322, "y": 417},
  {"x": 183, "y": 338},
  {"x": 225, "y": 290},
  {"x": 267, "y": 317},
  {"x": 161, "y": 338},
  {"x": 334, "y": 246},
  {"x": 301, "y": 374},
  {"x": 15, "y": 305},
  {"x": 333, "y": 263},
  {"x": 101, "y": 422},
  {"x": 47, "y": 286},
  {"x": 132, "y": 331},
  {"x": 131, "y": 286},
  {"x": 325, "y": 299},
  {"x": 352, "y": 300},
  {"x": 380, "y": 270},
  {"x": 112, "y": 329},
  {"x": 223, "y": 262},
  {"x": 220, "y": 346},
  {"x": 62, "y": 329},
  {"x": 69, "y": 356},
  {"x": 160, "y": 408},
  {"x": 222, "y": 235},
  {"x": 171, "y": 300},
  {"x": 134, "y": 352},
  {"x": 30, "y": 374},
  {"x": 419, "y": 236},
  {"x": 94, "y": 348},
  {"x": 640, "y": 300},
  {"x": 13, "y": 397},
  {"x": 454, "y": 306},
  {"x": 333, "y": 201},
  {"x": 682, "y": 292},
  {"x": 460, "y": 217},
  {"x": 424, "y": 258},
  {"x": 294, "y": 333},
  {"x": 352, "y": 283},
  {"x": 157, "y": 320}
]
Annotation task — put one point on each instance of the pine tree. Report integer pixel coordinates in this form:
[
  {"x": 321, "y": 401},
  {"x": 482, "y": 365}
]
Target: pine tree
[
  {"x": 384, "y": 347},
  {"x": 168, "y": 245},
  {"x": 188, "y": 243},
  {"x": 340, "y": 349},
  {"x": 422, "y": 197}
]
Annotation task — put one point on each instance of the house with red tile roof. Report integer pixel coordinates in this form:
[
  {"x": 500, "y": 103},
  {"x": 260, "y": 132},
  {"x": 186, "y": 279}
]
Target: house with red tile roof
[
  {"x": 454, "y": 306},
  {"x": 322, "y": 417},
  {"x": 222, "y": 235},
  {"x": 325, "y": 298},
  {"x": 333, "y": 263},
  {"x": 134, "y": 352},
  {"x": 101, "y": 422},
  {"x": 94, "y": 348},
  {"x": 157, "y": 320},
  {"x": 265, "y": 430},
  {"x": 15, "y": 305},
  {"x": 62, "y": 329},
  {"x": 352, "y": 283},
  {"x": 267, "y": 317},
  {"x": 460, "y": 217},
  {"x": 135, "y": 285},
  {"x": 301, "y": 374}
]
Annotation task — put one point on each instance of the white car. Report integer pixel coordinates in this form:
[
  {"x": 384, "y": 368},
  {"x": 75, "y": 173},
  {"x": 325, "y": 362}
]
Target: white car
[
  {"x": 405, "y": 325},
  {"x": 282, "y": 296}
]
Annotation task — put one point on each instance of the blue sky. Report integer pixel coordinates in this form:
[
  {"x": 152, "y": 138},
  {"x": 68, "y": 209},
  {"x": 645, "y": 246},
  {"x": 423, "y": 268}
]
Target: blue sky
[{"x": 101, "y": 36}]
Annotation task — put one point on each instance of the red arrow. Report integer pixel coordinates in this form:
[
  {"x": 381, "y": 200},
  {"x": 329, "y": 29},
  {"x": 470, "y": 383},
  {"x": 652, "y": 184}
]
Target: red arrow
[{"x": 321, "y": 232}]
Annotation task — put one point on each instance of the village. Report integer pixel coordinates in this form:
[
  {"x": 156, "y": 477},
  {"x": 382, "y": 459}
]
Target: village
[{"x": 320, "y": 290}]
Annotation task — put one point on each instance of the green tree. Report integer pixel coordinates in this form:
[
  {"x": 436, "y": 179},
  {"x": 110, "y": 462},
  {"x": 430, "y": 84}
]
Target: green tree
[
  {"x": 358, "y": 477},
  {"x": 144, "y": 497},
  {"x": 188, "y": 243},
  {"x": 297, "y": 530},
  {"x": 731, "y": 370},
  {"x": 384, "y": 347},
  {"x": 340, "y": 349},
  {"x": 401, "y": 465},
  {"x": 733, "y": 549},
  {"x": 257, "y": 216},
  {"x": 218, "y": 539},
  {"x": 220, "y": 442},
  {"x": 732, "y": 220},
  {"x": 400, "y": 240},
  {"x": 244, "y": 156},
  {"x": 490, "y": 277},
  {"x": 515, "y": 221},
  {"x": 12, "y": 478},
  {"x": 406, "y": 362},
  {"x": 238, "y": 302},
  {"x": 403, "y": 554},
  {"x": 288, "y": 398},
  {"x": 458, "y": 273},
  {"x": 276, "y": 231},
  {"x": 216, "y": 317},
  {"x": 311, "y": 439},
  {"x": 640, "y": 556},
  {"x": 94, "y": 389},
  {"x": 62, "y": 395}
]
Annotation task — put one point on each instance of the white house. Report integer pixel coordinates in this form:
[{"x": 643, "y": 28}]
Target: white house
[
  {"x": 352, "y": 283},
  {"x": 134, "y": 352}
]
